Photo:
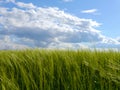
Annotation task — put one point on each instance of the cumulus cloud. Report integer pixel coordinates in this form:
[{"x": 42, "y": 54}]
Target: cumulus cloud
[
  {"x": 47, "y": 28},
  {"x": 21, "y": 4},
  {"x": 118, "y": 39},
  {"x": 24, "y": 5},
  {"x": 6, "y": 43},
  {"x": 89, "y": 11}
]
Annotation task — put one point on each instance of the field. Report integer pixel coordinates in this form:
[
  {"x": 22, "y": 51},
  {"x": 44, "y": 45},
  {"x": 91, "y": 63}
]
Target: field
[{"x": 59, "y": 70}]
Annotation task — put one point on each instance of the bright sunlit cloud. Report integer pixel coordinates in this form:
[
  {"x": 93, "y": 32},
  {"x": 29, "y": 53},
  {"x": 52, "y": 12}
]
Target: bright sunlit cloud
[
  {"x": 67, "y": 0},
  {"x": 30, "y": 26},
  {"x": 89, "y": 11}
]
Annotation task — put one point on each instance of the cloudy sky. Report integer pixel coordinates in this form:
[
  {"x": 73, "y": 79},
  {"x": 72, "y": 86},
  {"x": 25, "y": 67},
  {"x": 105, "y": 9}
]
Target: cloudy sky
[{"x": 59, "y": 24}]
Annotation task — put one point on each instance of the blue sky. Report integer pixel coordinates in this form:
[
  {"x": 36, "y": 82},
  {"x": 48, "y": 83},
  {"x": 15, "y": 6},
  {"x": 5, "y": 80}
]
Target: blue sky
[{"x": 59, "y": 24}]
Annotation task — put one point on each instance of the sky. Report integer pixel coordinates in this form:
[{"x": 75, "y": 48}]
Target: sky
[{"x": 60, "y": 24}]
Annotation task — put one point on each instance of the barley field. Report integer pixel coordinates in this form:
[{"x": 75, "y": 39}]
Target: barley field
[{"x": 41, "y": 69}]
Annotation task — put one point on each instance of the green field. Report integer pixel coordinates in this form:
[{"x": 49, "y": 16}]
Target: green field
[{"x": 59, "y": 70}]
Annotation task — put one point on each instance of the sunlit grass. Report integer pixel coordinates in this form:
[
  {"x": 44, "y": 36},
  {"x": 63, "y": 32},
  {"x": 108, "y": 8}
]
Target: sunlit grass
[{"x": 59, "y": 70}]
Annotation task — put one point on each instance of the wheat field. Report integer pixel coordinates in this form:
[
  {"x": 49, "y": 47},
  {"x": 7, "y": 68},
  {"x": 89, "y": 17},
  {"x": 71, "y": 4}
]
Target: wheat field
[{"x": 40, "y": 69}]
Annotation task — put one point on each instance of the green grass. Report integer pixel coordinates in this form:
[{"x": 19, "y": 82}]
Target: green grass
[{"x": 59, "y": 70}]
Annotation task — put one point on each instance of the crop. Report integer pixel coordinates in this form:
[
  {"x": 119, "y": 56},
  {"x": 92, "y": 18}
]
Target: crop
[{"x": 59, "y": 70}]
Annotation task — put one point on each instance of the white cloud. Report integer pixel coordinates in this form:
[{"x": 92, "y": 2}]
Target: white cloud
[
  {"x": 47, "y": 28},
  {"x": 24, "y": 5},
  {"x": 21, "y": 4},
  {"x": 13, "y": 1},
  {"x": 6, "y": 42},
  {"x": 118, "y": 39},
  {"x": 89, "y": 11},
  {"x": 67, "y": 0}
]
